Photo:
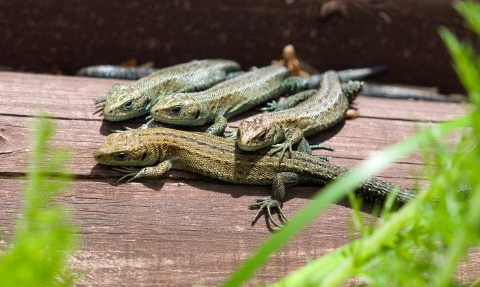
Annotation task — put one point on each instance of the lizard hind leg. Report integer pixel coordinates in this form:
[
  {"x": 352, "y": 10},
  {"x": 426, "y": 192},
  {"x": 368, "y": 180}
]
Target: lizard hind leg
[
  {"x": 278, "y": 196},
  {"x": 316, "y": 146},
  {"x": 305, "y": 147}
]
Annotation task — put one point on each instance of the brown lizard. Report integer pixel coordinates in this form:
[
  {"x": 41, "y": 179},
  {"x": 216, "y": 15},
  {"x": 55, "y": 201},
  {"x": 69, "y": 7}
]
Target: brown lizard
[{"x": 150, "y": 153}]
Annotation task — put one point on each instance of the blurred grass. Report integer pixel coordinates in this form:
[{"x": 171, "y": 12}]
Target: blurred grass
[{"x": 44, "y": 234}]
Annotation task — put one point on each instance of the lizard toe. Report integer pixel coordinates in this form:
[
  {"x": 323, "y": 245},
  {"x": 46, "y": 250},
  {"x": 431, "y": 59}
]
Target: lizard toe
[
  {"x": 131, "y": 175},
  {"x": 268, "y": 204}
]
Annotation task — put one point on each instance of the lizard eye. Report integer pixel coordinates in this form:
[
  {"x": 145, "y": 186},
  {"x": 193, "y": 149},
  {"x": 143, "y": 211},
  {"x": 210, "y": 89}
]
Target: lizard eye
[
  {"x": 263, "y": 136},
  {"x": 176, "y": 110},
  {"x": 128, "y": 105},
  {"x": 120, "y": 156}
]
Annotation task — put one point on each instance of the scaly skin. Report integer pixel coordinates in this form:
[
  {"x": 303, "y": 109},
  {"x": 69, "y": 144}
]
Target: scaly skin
[
  {"x": 157, "y": 150},
  {"x": 286, "y": 128},
  {"x": 222, "y": 101},
  {"x": 128, "y": 101}
]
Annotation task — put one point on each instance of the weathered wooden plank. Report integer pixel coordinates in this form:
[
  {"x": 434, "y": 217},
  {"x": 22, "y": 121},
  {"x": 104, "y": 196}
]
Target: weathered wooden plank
[
  {"x": 184, "y": 229},
  {"x": 137, "y": 235}
]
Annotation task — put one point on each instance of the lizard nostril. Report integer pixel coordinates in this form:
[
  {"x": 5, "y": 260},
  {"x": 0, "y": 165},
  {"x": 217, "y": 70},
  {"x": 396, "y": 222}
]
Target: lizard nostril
[{"x": 110, "y": 111}]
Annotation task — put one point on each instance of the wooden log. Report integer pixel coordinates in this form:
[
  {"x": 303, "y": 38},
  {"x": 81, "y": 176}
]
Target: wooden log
[
  {"x": 185, "y": 229},
  {"x": 49, "y": 36}
]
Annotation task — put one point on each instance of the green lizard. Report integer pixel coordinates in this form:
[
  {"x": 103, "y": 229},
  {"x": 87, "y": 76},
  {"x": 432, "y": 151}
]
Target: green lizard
[
  {"x": 237, "y": 95},
  {"x": 157, "y": 150},
  {"x": 226, "y": 99},
  {"x": 285, "y": 128},
  {"x": 133, "y": 100}
]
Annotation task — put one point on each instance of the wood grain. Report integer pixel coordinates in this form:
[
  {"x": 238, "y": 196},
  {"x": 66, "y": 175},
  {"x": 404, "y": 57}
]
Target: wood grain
[{"x": 185, "y": 229}]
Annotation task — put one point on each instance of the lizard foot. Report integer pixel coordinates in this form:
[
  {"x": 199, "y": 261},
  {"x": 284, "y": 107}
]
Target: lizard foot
[
  {"x": 270, "y": 106},
  {"x": 131, "y": 173},
  {"x": 151, "y": 123},
  {"x": 99, "y": 111},
  {"x": 281, "y": 147},
  {"x": 231, "y": 135},
  {"x": 101, "y": 101},
  {"x": 268, "y": 203}
]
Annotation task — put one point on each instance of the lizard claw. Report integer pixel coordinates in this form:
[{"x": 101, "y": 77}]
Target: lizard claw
[
  {"x": 270, "y": 106},
  {"x": 131, "y": 172},
  {"x": 101, "y": 101},
  {"x": 151, "y": 123},
  {"x": 116, "y": 131},
  {"x": 119, "y": 131},
  {"x": 282, "y": 147},
  {"x": 146, "y": 125},
  {"x": 231, "y": 135},
  {"x": 99, "y": 111},
  {"x": 268, "y": 203}
]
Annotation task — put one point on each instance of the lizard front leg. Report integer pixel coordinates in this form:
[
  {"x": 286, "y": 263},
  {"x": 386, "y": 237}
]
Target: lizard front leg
[
  {"x": 278, "y": 196},
  {"x": 151, "y": 123},
  {"x": 146, "y": 172},
  {"x": 218, "y": 126},
  {"x": 292, "y": 137},
  {"x": 295, "y": 139}
]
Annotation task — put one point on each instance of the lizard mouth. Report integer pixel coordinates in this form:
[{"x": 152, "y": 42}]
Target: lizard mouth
[{"x": 110, "y": 115}]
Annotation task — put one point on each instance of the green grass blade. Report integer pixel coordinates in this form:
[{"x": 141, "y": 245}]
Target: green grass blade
[{"x": 44, "y": 235}]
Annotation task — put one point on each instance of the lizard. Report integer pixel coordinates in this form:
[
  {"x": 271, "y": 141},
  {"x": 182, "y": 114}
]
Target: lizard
[
  {"x": 230, "y": 98},
  {"x": 285, "y": 128},
  {"x": 151, "y": 153},
  {"x": 226, "y": 99},
  {"x": 125, "y": 101}
]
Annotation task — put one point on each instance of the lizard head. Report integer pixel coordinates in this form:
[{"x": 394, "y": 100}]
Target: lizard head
[
  {"x": 124, "y": 102},
  {"x": 124, "y": 149},
  {"x": 258, "y": 132},
  {"x": 179, "y": 109}
]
